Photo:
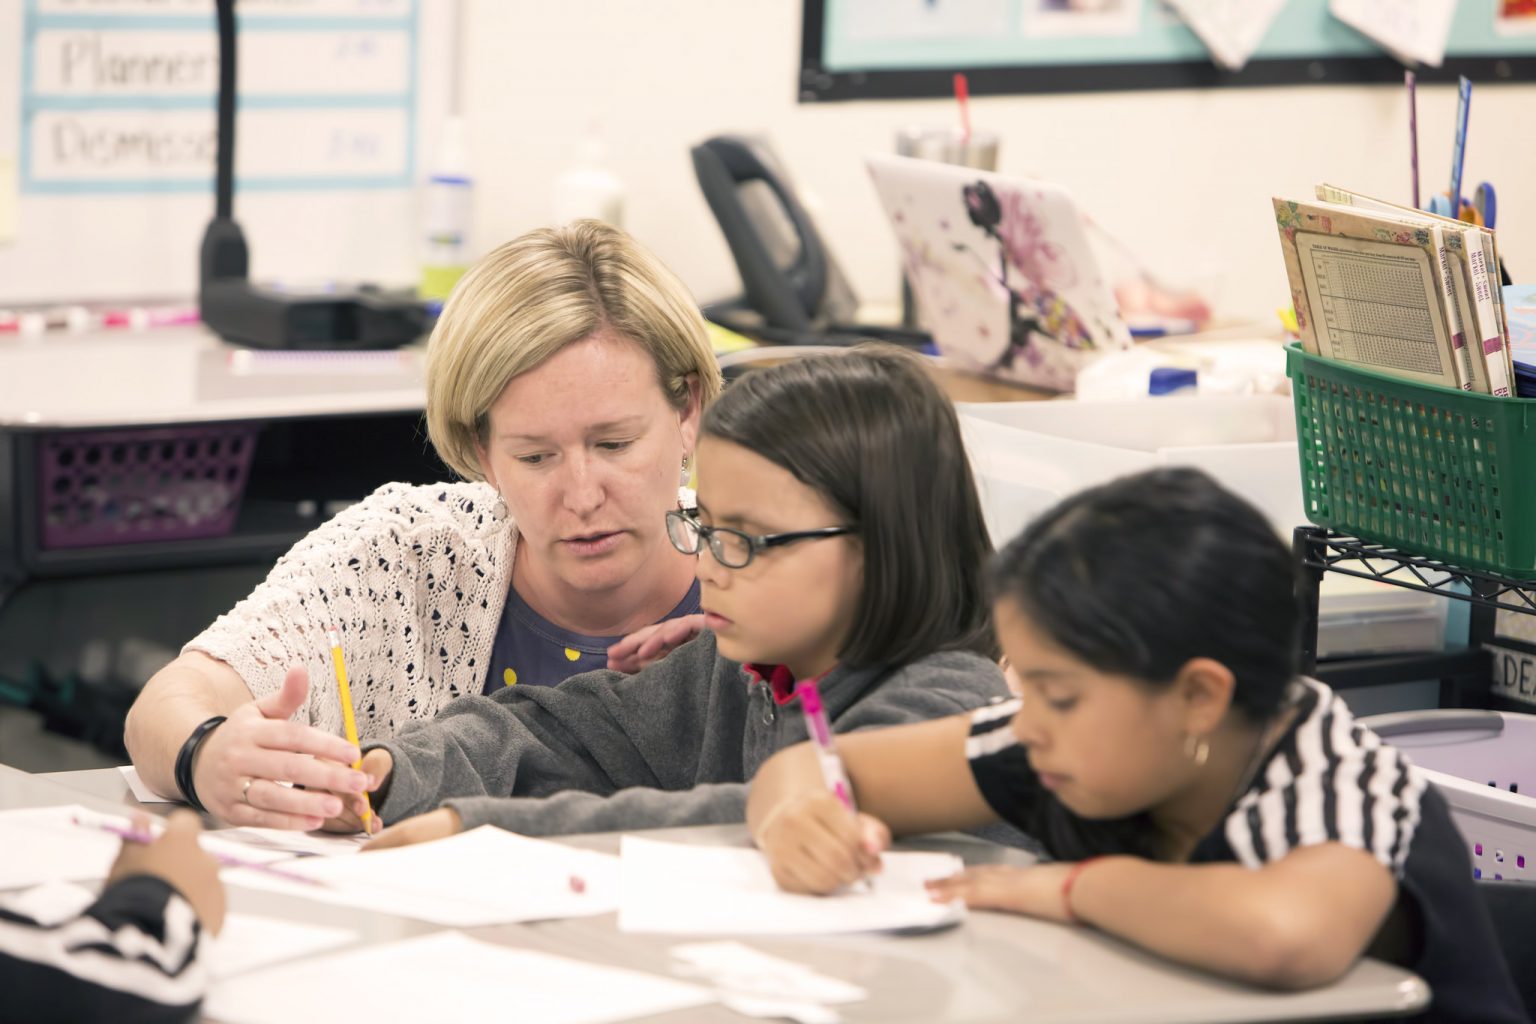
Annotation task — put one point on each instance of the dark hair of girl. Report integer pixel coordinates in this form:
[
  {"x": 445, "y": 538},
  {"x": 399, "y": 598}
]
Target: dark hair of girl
[
  {"x": 870, "y": 430},
  {"x": 1140, "y": 575}
]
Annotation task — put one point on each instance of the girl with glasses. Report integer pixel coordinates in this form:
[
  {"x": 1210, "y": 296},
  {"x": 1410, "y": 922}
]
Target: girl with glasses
[{"x": 838, "y": 537}]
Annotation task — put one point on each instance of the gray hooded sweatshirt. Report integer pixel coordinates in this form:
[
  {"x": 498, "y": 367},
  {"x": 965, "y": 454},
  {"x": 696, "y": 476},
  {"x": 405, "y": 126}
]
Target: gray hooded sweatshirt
[{"x": 673, "y": 744}]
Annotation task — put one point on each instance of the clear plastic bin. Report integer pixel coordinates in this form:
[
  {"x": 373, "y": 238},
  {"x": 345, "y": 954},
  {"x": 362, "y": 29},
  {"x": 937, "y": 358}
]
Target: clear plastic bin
[{"x": 1484, "y": 763}]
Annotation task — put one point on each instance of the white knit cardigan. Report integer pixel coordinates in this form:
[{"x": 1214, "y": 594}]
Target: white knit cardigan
[{"x": 415, "y": 578}]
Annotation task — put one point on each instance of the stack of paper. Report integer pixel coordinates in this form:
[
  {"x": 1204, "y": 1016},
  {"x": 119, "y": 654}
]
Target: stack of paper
[
  {"x": 484, "y": 876},
  {"x": 675, "y": 888},
  {"x": 448, "y": 978}
]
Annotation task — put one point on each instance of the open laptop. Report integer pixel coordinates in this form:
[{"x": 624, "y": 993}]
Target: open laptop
[{"x": 1004, "y": 273}]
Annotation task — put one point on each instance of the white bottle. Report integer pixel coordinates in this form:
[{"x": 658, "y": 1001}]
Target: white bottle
[
  {"x": 447, "y": 201},
  {"x": 588, "y": 190}
]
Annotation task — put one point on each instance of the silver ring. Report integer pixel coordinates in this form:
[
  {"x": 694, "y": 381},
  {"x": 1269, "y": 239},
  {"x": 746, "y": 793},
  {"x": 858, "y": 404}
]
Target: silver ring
[{"x": 245, "y": 791}]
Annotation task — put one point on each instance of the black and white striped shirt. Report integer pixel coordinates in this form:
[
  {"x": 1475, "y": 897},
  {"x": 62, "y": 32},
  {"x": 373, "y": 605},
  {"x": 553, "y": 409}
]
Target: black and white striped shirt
[
  {"x": 1328, "y": 779},
  {"x": 131, "y": 958}
]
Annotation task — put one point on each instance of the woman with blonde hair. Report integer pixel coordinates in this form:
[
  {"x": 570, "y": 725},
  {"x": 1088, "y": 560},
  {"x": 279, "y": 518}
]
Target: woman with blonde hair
[{"x": 566, "y": 378}]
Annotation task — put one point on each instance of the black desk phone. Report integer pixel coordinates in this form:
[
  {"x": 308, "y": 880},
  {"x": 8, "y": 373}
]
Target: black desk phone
[{"x": 794, "y": 292}]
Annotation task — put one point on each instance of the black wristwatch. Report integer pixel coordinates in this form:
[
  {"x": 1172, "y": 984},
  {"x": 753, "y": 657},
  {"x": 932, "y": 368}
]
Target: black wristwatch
[{"x": 185, "y": 757}]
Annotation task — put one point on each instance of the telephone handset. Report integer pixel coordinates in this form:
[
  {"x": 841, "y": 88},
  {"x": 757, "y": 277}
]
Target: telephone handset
[{"x": 791, "y": 280}]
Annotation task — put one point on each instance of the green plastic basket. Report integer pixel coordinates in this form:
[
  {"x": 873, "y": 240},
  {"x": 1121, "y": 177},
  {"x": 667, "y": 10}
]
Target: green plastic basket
[{"x": 1429, "y": 470}]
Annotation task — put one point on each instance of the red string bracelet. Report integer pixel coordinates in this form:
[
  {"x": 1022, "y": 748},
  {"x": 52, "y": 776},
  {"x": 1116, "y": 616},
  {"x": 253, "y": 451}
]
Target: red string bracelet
[{"x": 1066, "y": 888}]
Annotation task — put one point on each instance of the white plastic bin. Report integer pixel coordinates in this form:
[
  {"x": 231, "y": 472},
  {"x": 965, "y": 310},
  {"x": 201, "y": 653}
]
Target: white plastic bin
[
  {"x": 1029, "y": 455},
  {"x": 1484, "y": 763}
]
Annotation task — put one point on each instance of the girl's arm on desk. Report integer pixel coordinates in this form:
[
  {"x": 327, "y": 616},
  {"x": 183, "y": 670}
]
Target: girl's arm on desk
[
  {"x": 811, "y": 841},
  {"x": 1298, "y": 922}
]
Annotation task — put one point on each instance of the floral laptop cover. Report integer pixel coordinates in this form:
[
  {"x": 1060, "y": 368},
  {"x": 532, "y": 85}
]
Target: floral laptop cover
[{"x": 1004, "y": 274}]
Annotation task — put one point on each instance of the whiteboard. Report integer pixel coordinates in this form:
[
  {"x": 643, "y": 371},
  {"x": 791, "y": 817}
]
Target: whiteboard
[{"x": 340, "y": 103}]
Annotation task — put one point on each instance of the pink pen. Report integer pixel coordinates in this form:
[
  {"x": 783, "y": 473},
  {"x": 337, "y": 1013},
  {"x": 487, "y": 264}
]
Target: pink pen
[
  {"x": 832, "y": 772},
  {"x": 826, "y": 751},
  {"x": 135, "y": 836}
]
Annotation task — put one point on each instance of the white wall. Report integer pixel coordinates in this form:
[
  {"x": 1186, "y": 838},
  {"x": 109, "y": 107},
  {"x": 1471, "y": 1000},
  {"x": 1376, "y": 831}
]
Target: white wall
[{"x": 1185, "y": 177}]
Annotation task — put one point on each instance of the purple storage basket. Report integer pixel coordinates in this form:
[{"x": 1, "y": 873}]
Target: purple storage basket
[{"x": 142, "y": 484}]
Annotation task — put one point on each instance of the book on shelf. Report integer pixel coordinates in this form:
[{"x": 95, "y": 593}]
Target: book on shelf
[
  {"x": 1395, "y": 289},
  {"x": 1470, "y": 260}
]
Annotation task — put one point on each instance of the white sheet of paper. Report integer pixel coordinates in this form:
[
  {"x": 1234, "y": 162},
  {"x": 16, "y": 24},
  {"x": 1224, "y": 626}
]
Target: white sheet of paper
[
  {"x": 464, "y": 881},
  {"x": 678, "y": 889},
  {"x": 448, "y": 978},
  {"x": 303, "y": 844},
  {"x": 250, "y": 942},
  {"x": 1230, "y": 29},
  {"x": 743, "y": 971},
  {"x": 51, "y": 902},
  {"x": 44, "y": 844},
  {"x": 141, "y": 792},
  {"x": 247, "y": 942},
  {"x": 868, "y": 20},
  {"x": 1413, "y": 31}
]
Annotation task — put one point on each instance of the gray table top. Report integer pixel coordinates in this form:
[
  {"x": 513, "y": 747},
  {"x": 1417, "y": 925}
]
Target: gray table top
[{"x": 994, "y": 967}]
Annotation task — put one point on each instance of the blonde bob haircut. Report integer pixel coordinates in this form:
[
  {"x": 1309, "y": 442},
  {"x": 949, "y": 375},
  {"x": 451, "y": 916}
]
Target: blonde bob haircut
[{"x": 530, "y": 298}]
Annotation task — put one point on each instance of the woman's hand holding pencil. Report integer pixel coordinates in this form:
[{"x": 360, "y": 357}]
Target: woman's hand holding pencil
[{"x": 240, "y": 770}]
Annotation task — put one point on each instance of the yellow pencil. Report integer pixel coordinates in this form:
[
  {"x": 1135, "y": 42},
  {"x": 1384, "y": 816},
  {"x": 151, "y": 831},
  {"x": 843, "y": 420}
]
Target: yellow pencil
[{"x": 347, "y": 719}]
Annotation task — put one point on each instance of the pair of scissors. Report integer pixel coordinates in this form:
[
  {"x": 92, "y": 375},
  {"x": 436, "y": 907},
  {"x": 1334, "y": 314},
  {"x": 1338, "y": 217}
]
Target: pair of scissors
[{"x": 1482, "y": 211}]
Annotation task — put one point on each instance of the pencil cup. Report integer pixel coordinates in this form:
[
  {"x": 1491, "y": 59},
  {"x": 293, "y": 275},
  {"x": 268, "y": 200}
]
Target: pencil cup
[{"x": 949, "y": 146}]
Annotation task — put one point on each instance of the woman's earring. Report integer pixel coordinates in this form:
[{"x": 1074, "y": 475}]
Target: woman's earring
[
  {"x": 501, "y": 506},
  {"x": 686, "y": 497},
  {"x": 1197, "y": 750}
]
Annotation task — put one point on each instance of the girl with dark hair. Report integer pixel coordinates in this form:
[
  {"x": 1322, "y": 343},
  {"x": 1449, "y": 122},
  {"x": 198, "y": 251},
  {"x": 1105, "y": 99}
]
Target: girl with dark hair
[
  {"x": 825, "y": 485},
  {"x": 1196, "y": 796}
]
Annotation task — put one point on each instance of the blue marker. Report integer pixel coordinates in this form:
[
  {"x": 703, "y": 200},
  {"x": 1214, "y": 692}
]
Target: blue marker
[{"x": 1459, "y": 150}]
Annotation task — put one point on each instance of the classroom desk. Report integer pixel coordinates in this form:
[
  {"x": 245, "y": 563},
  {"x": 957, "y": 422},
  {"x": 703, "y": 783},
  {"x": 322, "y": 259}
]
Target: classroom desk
[{"x": 994, "y": 968}]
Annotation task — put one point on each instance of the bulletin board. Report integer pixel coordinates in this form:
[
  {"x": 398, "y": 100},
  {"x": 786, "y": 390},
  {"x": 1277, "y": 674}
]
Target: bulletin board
[
  {"x": 113, "y": 140},
  {"x": 891, "y": 49}
]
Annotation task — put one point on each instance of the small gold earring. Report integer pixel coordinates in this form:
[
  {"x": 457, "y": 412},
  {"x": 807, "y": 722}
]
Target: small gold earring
[{"x": 1197, "y": 750}]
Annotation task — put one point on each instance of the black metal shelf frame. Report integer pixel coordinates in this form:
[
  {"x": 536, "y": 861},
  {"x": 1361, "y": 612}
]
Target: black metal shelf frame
[{"x": 1317, "y": 550}]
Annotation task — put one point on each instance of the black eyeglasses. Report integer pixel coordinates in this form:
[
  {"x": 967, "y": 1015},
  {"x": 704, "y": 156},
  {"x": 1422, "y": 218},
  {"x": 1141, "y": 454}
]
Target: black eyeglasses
[{"x": 733, "y": 548}]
